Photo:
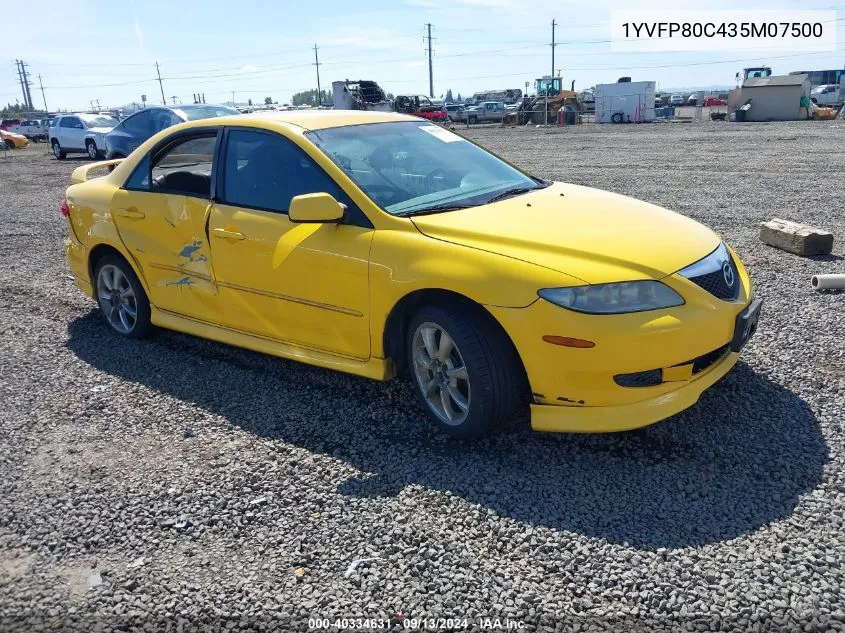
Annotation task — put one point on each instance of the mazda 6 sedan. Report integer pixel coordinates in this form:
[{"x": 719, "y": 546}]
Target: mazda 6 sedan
[{"x": 380, "y": 244}]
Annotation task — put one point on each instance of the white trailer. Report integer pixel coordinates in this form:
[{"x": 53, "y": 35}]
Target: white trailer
[{"x": 625, "y": 102}]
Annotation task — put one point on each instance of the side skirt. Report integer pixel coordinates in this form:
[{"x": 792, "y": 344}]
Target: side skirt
[{"x": 375, "y": 368}]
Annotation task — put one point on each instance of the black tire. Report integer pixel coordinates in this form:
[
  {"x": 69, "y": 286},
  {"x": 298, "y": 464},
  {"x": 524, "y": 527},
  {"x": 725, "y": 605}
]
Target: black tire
[
  {"x": 7, "y": 144},
  {"x": 58, "y": 152},
  {"x": 142, "y": 326},
  {"x": 497, "y": 386},
  {"x": 616, "y": 118},
  {"x": 91, "y": 149},
  {"x": 473, "y": 120}
]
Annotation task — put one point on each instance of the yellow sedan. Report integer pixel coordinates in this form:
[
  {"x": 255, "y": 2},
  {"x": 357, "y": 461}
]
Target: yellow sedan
[
  {"x": 10, "y": 140},
  {"x": 381, "y": 244}
]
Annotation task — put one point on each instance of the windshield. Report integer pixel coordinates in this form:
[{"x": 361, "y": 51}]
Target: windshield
[
  {"x": 99, "y": 120},
  {"x": 412, "y": 167},
  {"x": 205, "y": 112}
]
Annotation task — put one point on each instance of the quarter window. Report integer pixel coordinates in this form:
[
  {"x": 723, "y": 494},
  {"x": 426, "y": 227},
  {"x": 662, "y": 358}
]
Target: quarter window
[
  {"x": 264, "y": 171},
  {"x": 185, "y": 167}
]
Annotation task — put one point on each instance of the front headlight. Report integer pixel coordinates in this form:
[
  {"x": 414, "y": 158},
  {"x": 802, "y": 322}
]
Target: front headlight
[{"x": 616, "y": 298}]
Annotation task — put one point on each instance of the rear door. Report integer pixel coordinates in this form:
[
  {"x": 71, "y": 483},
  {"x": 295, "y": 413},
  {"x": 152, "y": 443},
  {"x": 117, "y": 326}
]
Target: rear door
[
  {"x": 161, "y": 214},
  {"x": 301, "y": 283}
]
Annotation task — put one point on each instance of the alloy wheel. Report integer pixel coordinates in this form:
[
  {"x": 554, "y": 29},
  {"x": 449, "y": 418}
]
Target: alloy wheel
[
  {"x": 92, "y": 151},
  {"x": 441, "y": 373},
  {"x": 57, "y": 150},
  {"x": 117, "y": 299}
]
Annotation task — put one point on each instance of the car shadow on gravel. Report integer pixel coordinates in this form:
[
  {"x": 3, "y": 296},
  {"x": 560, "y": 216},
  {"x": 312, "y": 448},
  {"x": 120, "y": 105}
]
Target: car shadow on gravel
[{"x": 738, "y": 460}]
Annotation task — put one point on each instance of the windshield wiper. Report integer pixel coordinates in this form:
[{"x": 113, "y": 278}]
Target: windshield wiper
[
  {"x": 509, "y": 193},
  {"x": 436, "y": 208}
]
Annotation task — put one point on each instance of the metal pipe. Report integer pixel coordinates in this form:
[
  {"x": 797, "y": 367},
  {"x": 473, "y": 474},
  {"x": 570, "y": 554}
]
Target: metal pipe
[{"x": 828, "y": 282}]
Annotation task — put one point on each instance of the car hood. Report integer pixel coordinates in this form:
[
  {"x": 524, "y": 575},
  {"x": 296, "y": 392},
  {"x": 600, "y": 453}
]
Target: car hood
[
  {"x": 593, "y": 235},
  {"x": 100, "y": 130}
]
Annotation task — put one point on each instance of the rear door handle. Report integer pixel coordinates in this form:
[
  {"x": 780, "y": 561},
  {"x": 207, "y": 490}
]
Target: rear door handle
[
  {"x": 131, "y": 213},
  {"x": 227, "y": 235}
]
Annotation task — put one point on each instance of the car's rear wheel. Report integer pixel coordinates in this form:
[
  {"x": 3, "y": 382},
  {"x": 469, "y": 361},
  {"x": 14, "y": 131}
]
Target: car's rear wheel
[
  {"x": 91, "y": 148},
  {"x": 8, "y": 144},
  {"x": 473, "y": 119},
  {"x": 121, "y": 297},
  {"x": 465, "y": 370},
  {"x": 58, "y": 152}
]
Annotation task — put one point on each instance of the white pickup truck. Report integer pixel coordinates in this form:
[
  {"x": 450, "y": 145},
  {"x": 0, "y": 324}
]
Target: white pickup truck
[{"x": 33, "y": 129}]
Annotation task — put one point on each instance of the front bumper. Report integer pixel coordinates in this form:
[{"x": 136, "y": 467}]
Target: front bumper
[
  {"x": 579, "y": 389},
  {"x": 558, "y": 419}
]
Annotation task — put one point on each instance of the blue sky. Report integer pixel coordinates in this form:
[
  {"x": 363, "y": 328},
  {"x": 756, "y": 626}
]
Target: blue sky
[{"x": 86, "y": 50}]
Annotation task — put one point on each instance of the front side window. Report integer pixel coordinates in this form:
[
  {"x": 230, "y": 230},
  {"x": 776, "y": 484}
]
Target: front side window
[
  {"x": 185, "y": 167},
  {"x": 413, "y": 167},
  {"x": 264, "y": 171}
]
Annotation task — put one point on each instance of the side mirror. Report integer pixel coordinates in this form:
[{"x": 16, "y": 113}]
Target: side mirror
[{"x": 315, "y": 208}]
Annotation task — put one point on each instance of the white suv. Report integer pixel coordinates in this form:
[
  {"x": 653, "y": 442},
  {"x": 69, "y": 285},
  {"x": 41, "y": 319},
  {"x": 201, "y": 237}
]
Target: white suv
[{"x": 82, "y": 133}]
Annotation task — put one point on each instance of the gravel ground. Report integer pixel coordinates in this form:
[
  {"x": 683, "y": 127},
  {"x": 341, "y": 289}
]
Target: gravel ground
[{"x": 174, "y": 481}]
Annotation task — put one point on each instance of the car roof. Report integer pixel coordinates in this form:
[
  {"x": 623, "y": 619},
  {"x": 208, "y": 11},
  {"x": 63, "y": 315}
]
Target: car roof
[{"x": 316, "y": 119}]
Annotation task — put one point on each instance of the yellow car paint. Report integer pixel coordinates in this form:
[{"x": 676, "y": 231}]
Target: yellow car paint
[
  {"x": 18, "y": 141},
  {"x": 323, "y": 293}
]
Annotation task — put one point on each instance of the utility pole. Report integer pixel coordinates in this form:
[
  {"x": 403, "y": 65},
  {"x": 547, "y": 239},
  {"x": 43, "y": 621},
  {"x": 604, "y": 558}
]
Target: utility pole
[
  {"x": 26, "y": 85},
  {"x": 42, "y": 93},
  {"x": 163, "y": 100},
  {"x": 20, "y": 79},
  {"x": 317, "y": 64},
  {"x": 553, "y": 49},
  {"x": 233, "y": 98},
  {"x": 430, "y": 68},
  {"x": 24, "y": 80},
  {"x": 173, "y": 98}
]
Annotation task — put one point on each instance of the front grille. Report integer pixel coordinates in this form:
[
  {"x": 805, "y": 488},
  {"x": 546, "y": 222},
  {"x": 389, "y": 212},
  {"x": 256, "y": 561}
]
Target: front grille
[
  {"x": 653, "y": 377},
  {"x": 716, "y": 285},
  {"x": 648, "y": 378},
  {"x": 705, "y": 360}
]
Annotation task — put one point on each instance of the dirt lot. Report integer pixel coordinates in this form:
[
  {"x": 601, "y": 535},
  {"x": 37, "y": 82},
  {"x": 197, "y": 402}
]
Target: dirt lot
[{"x": 147, "y": 482}]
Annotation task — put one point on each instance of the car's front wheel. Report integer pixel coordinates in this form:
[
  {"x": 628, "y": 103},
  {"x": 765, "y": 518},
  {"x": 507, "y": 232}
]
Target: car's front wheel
[
  {"x": 121, "y": 297},
  {"x": 8, "y": 144},
  {"x": 93, "y": 152},
  {"x": 58, "y": 152},
  {"x": 464, "y": 368}
]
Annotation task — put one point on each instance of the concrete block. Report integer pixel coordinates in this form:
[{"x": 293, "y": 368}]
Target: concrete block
[{"x": 797, "y": 238}]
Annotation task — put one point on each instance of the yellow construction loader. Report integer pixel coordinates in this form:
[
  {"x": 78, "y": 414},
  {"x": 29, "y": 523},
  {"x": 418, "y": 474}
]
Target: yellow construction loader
[{"x": 548, "y": 97}]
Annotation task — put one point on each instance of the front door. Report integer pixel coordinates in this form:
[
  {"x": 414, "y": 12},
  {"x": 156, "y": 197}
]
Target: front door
[
  {"x": 71, "y": 133},
  {"x": 305, "y": 284},
  {"x": 161, "y": 215}
]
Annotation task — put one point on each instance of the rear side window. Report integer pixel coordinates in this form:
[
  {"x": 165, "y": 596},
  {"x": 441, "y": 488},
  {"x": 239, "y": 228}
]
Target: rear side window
[
  {"x": 70, "y": 122},
  {"x": 185, "y": 167},
  {"x": 264, "y": 171}
]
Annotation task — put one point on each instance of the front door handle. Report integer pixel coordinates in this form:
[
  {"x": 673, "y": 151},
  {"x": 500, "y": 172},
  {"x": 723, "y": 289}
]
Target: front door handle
[
  {"x": 131, "y": 213},
  {"x": 227, "y": 235}
]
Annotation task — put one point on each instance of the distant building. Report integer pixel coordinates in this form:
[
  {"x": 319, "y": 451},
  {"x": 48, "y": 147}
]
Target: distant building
[{"x": 775, "y": 98}]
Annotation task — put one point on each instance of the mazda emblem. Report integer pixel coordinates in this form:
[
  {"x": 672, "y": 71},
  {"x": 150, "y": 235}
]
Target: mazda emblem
[{"x": 728, "y": 274}]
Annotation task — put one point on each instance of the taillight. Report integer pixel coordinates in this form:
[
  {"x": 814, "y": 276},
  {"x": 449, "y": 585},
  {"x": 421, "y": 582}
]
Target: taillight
[{"x": 64, "y": 209}]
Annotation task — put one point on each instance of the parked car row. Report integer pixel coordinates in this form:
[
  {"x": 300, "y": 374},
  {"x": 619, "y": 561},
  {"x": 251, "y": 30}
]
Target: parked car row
[
  {"x": 677, "y": 99},
  {"x": 105, "y": 136}
]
